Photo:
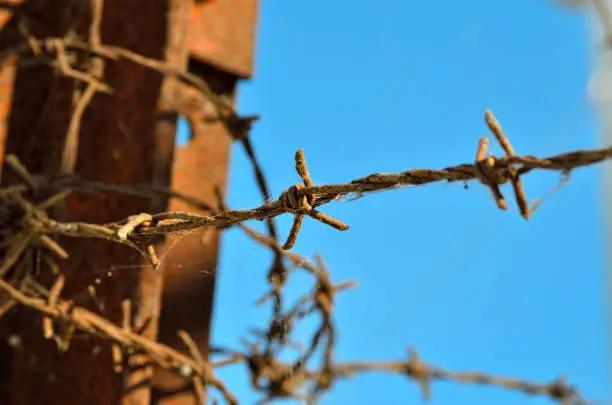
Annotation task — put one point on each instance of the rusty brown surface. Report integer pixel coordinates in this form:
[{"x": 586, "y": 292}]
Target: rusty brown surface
[
  {"x": 7, "y": 77},
  {"x": 152, "y": 282},
  {"x": 117, "y": 145},
  {"x": 5, "y": 14},
  {"x": 190, "y": 260},
  {"x": 222, "y": 34},
  {"x": 129, "y": 139}
]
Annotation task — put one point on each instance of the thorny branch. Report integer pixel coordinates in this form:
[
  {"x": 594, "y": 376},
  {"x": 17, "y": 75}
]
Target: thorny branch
[{"x": 25, "y": 224}]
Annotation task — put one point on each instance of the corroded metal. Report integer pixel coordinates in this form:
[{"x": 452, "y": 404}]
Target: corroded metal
[
  {"x": 7, "y": 77},
  {"x": 129, "y": 139},
  {"x": 116, "y": 146},
  {"x": 222, "y": 34},
  {"x": 190, "y": 260}
]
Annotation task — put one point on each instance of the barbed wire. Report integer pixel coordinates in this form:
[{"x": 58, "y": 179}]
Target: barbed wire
[
  {"x": 26, "y": 224},
  {"x": 302, "y": 200},
  {"x": 36, "y": 226}
]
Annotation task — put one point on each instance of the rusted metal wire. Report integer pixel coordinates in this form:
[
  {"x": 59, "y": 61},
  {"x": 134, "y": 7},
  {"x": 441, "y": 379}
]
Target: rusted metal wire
[
  {"x": 301, "y": 200},
  {"x": 281, "y": 379},
  {"x": 28, "y": 225}
]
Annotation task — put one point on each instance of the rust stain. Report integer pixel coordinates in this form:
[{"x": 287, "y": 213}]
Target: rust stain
[
  {"x": 222, "y": 33},
  {"x": 5, "y": 15},
  {"x": 190, "y": 260},
  {"x": 41, "y": 109},
  {"x": 119, "y": 148},
  {"x": 7, "y": 76}
]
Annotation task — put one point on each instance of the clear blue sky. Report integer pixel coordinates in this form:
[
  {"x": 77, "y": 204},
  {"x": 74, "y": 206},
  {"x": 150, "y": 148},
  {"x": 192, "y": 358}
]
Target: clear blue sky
[{"x": 388, "y": 85}]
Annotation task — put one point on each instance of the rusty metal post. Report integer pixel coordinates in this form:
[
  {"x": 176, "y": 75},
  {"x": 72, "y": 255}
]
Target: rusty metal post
[
  {"x": 221, "y": 44},
  {"x": 7, "y": 76},
  {"x": 125, "y": 138}
]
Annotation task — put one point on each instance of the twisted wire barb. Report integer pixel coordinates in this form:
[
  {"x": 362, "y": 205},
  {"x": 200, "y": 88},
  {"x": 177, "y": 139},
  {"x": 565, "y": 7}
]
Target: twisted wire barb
[
  {"x": 96, "y": 325},
  {"x": 295, "y": 200},
  {"x": 268, "y": 374}
]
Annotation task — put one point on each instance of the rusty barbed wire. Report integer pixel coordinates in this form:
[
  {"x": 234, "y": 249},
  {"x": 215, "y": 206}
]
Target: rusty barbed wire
[
  {"x": 95, "y": 325},
  {"x": 296, "y": 200},
  {"x": 281, "y": 379},
  {"x": 26, "y": 224}
]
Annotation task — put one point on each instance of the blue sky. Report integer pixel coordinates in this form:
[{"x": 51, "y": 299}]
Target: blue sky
[{"x": 388, "y": 85}]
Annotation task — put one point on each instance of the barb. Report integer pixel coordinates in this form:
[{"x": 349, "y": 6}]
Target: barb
[
  {"x": 415, "y": 369},
  {"x": 95, "y": 73},
  {"x": 296, "y": 199},
  {"x": 297, "y": 202},
  {"x": 269, "y": 375},
  {"x": 277, "y": 379},
  {"x": 28, "y": 226},
  {"x": 93, "y": 324},
  {"x": 225, "y": 112}
]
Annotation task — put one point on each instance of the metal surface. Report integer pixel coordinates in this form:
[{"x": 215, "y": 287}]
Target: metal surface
[
  {"x": 221, "y": 46},
  {"x": 152, "y": 282},
  {"x": 129, "y": 139},
  {"x": 190, "y": 260},
  {"x": 7, "y": 76},
  {"x": 116, "y": 146},
  {"x": 222, "y": 34}
]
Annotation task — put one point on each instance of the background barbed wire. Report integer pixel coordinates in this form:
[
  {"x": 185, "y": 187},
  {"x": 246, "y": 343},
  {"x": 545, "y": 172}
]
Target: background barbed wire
[{"x": 268, "y": 375}]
